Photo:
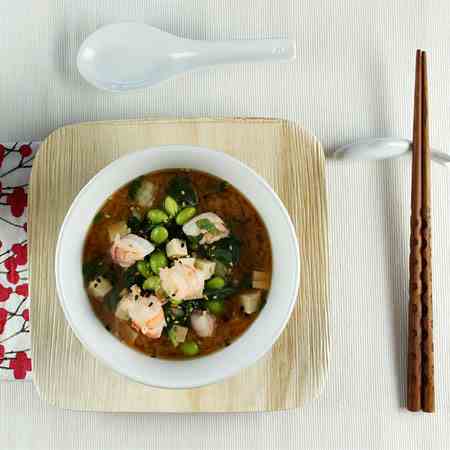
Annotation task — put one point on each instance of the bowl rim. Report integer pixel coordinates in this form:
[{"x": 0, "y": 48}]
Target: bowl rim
[{"x": 76, "y": 329}]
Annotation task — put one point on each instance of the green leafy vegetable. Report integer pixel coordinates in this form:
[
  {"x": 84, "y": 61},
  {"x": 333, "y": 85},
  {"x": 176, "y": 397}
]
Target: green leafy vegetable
[
  {"x": 207, "y": 225},
  {"x": 190, "y": 305},
  {"x": 134, "y": 187},
  {"x": 220, "y": 294},
  {"x": 182, "y": 191},
  {"x": 227, "y": 251},
  {"x": 98, "y": 217},
  {"x": 96, "y": 268},
  {"x": 132, "y": 276},
  {"x": 134, "y": 224},
  {"x": 112, "y": 299}
]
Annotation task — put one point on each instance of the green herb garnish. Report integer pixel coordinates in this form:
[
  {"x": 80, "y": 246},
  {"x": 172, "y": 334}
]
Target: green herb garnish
[{"x": 208, "y": 226}]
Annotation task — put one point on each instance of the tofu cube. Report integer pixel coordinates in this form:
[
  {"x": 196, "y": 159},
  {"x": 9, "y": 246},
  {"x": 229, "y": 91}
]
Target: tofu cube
[
  {"x": 120, "y": 228},
  {"x": 176, "y": 248},
  {"x": 206, "y": 267},
  {"x": 251, "y": 300},
  {"x": 99, "y": 287},
  {"x": 260, "y": 280},
  {"x": 122, "y": 310}
]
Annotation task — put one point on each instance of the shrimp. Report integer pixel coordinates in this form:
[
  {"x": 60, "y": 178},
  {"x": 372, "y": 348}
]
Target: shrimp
[
  {"x": 126, "y": 250},
  {"x": 182, "y": 281},
  {"x": 209, "y": 225},
  {"x": 147, "y": 316}
]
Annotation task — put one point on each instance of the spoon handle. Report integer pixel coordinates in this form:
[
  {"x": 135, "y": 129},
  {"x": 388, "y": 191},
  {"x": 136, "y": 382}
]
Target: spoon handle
[{"x": 225, "y": 52}]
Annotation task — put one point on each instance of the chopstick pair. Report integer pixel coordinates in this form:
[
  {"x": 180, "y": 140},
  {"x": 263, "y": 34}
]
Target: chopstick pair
[{"x": 420, "y": 377}]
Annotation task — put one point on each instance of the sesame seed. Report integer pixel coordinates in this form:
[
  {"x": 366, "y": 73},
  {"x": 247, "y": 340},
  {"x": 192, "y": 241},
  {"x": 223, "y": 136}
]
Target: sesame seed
[{"x": 136, "y": 297}]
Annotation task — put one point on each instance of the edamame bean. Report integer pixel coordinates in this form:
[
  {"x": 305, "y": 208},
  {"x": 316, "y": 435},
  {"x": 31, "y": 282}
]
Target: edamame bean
[
  {"x": 157, "y": 216},
  {"x": 215, "y": 283},
  {"x": 158, "y": 260},
  {"x": 185, "y": 215},
  {"x": 144, "y": 269},
  {"x": 159, "y": 234},
  {"x": 171, "y": 206},
  {"x": 216, "y": 307},
  {"x": 152, "y": 283},
  {"x": 189, "y": 348}
]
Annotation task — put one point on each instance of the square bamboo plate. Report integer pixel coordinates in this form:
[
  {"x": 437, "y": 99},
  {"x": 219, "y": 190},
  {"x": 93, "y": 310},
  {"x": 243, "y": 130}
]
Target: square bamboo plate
[{"x": 290, "y": 159}]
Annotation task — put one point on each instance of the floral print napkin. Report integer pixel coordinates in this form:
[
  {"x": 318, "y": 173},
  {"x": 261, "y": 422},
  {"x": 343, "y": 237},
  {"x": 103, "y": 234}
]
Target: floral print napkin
[{"x": 15, "y": 168}]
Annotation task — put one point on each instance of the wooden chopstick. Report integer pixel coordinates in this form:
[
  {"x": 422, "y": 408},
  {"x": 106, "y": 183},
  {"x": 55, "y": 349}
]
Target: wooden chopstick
[
  {"x": 420, "y": 333},
  {"x": 427, "y": 301},
  {"x": 414, "y": 380}
]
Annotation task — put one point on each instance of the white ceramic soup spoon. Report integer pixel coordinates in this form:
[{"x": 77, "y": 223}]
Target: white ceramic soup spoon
[
  {"x": 384, "y": 148},
  {"x": 126, "y": 56}
]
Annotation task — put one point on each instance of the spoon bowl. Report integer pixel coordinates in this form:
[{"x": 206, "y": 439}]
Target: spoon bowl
[{"x": 126, "y": 56}]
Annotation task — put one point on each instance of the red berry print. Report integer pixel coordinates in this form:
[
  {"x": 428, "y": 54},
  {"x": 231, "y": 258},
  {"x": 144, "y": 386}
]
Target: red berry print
[
  {"x": 22, "y": 289},
  {"x": 21, "y": 364},
  {"x": 11, "y": 263},
  {"x": 2, "y": 154},
  {"x": 17, "y": 200},
  {"x": 26, "y": 315},
  {"x": 13, "y": 277},
  {"x": 3, "y": 318},
  {"x": 25, "y": 150},
  {"x": 5, "y": 292},
  {"x": 21, "y": 253}
]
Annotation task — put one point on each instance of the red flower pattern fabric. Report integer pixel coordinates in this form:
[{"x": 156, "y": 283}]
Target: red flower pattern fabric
[{"x": 15, "y": 168}]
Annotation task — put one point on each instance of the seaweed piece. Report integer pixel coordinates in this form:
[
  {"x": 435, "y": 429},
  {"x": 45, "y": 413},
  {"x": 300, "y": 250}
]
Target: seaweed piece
[
  {"x": 134, "y": 224},
  {"x": 220, "y": 294},
  {"x": 95, "y": 268},
  {"x": 132, "y": 276},
  {"x": 112, "y": 298},
  {"x": 181, "y": 189},
  {"x": 98, "y": 217},
  {"x": 134, "y": 187},
  {"x": 227, "y": 251}
]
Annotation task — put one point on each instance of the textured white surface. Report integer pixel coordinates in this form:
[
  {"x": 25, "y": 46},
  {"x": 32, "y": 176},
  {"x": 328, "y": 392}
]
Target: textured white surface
[{"x": 353, "y": 79}]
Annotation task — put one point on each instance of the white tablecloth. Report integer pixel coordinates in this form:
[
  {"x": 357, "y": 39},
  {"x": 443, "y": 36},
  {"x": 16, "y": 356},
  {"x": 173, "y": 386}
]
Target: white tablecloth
[{"x": 353, "y": 78}]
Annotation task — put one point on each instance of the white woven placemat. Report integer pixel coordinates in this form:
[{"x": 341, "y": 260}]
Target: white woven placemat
[{"x": 353, "y": 78}]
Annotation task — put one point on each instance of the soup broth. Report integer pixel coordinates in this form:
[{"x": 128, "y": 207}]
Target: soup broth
[{"x": 177, "y": 264}]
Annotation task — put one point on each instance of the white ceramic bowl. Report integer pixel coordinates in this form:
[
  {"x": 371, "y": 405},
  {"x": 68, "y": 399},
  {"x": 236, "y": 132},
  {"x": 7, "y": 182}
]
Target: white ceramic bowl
[{"x": 247, "y": 349}]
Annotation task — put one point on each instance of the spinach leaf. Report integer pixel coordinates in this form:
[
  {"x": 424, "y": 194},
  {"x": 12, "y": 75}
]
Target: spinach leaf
[
  {"x": 134, "y": 187},
  {"x": 227, "y": 251},
  {"x": 94, "y": 268},
  {"x": 112, "y": 298},
  {"x": 98, "y": 217},
  {"x": 190, "y": 305},
  {"x": 181, "y": 189},
  {"x": 132, "y": 276},
  {"x": 134, "y": 224},
  {"x": 220, "y": 294}
]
